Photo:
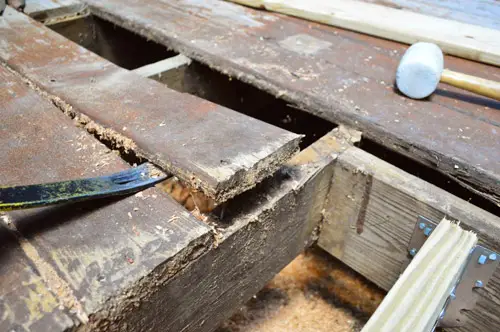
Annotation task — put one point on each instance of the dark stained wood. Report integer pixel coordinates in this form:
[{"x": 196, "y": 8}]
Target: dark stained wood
[
  {"x": 370, "y": 215},
  {"x": 262, "y": 232},
  {"x": 219, "y": 151},
  {"x": 94, "y": 256},
  {"x": 342, "y": 76}
]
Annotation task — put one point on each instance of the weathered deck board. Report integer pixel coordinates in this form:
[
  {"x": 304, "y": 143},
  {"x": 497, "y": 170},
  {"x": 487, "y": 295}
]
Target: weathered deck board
[
  {"x": 23, "y": 293},
  {"x": 371, "y": 213},
  {"x": 215, "y": 149},
  {"x": 339, "y": 75},
  {"x": 262, "y": 232},
  {"x": 94, "y": 256}
]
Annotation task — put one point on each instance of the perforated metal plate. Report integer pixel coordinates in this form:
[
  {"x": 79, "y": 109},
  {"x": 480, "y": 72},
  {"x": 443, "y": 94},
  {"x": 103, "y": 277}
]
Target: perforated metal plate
[{"x": 478, "y": 271}]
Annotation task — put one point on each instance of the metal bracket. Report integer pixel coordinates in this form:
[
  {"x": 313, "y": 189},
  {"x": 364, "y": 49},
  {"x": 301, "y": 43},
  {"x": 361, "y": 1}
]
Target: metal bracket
[{"x": 478, "y": 271}]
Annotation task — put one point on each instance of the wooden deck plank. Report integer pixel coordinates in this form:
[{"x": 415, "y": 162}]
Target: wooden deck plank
[
  {"x": 26, "y": 303},
  {"x": 94, "y": 256},
  {"x": 467, "y": 41},
  {"x": 261, "y": 233},
  {"x": 339, "y": 75},
  {"x": 371, "y": 213},
  {"x": 215, "y": 149}
]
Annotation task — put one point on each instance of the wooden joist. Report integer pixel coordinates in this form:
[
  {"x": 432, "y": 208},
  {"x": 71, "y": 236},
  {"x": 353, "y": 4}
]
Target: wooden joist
[
  {"x": 371, "y": 213},
  {"x": 417, "y": 299},
  {"x": 170, "y": 71},
  {"x": 60, "y": 265},
  {"x": 339, "y": 75},
  {"x": 261, "y": 233},
  {"x": 219, "y": 151}
]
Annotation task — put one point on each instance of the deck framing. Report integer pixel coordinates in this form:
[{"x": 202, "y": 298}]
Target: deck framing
[{"x": 189, "y": 274}]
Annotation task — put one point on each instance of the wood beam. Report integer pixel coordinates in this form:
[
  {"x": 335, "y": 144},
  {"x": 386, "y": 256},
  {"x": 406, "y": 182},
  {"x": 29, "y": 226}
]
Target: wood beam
[
  {"x": 170, "y": 71},
  {"x": 371, "y": 213},
  {"x": 262, "y": 231}
]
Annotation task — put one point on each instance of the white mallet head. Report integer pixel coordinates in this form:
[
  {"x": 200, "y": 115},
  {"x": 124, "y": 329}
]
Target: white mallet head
[{"x": 420, "y": 70}]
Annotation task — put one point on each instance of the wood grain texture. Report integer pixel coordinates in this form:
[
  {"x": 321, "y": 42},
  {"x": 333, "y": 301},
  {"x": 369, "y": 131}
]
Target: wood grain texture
[
  {"x": 479, "y": 12},
  {"x": 26, "y": 301},
  {"x": 94, "y": 256},
  {"x": 342, "y": 76},
  {"x": 214, "y": 149},
  {"x": 386, "y": 202},
  {"x": 474, "y": 84},
  {"x": 418, "y": 297},
  {"x": 464, "y": 40},
  {"x": 262, "y": 231}
]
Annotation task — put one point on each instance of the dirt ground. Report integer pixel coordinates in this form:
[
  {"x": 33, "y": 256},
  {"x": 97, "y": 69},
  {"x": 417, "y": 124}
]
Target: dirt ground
[{"x": 315, "y": 292}]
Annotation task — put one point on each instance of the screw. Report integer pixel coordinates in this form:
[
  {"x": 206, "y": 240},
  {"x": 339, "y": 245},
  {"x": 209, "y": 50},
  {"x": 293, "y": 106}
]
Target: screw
[
  {"x": 422, "y": 225},
  {"x": 427, "y": 231},
  {"x": 482, "y": 259},
  {"x": 493, "y": 257},
  {"x": 478, "y": 283},
  {"x": 413, "y": 252}
]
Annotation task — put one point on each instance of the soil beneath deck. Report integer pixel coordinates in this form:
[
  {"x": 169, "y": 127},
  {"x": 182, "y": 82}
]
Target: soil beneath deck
[{"x": 315, "y": 292}]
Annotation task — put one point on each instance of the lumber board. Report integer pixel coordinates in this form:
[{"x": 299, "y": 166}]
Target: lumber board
[
  {"x": 371, "y": 212},
  {"x": 418, "y": 297},
  {"x": 480, "y": 12},
  {"x": 261, "y": 232},
  {"x": 170, "y": 71},
  {"x": 64, "y": 263},
  {"x": 460, "y": 39},
  {"x": 216, "y": 150},
  {"x": 342, "y": 76},
  {"x": 24, "y": 294}
]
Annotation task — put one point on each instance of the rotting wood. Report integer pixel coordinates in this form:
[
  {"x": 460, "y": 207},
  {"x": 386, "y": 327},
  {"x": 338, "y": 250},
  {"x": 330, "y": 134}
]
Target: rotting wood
[
  {"x": 59, "y": 265},
  {"x": 378, "y": 248},
  {"x": 417, "y": 299},
  {"x": 339, "y": 75},
  {"x": 214, "y": 149},
  {"x": 455, "y": 38},
  {"x": 169, "y": 71},
  {"x": 262, "y": 231}
]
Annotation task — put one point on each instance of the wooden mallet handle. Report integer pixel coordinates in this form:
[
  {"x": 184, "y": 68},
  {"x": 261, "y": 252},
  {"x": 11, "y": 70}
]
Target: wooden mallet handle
[{"x": 471, "y": 83}]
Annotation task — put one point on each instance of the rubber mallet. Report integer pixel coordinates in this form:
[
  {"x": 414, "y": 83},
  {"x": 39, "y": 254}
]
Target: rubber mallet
[{"x": 421, "y": 69}]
